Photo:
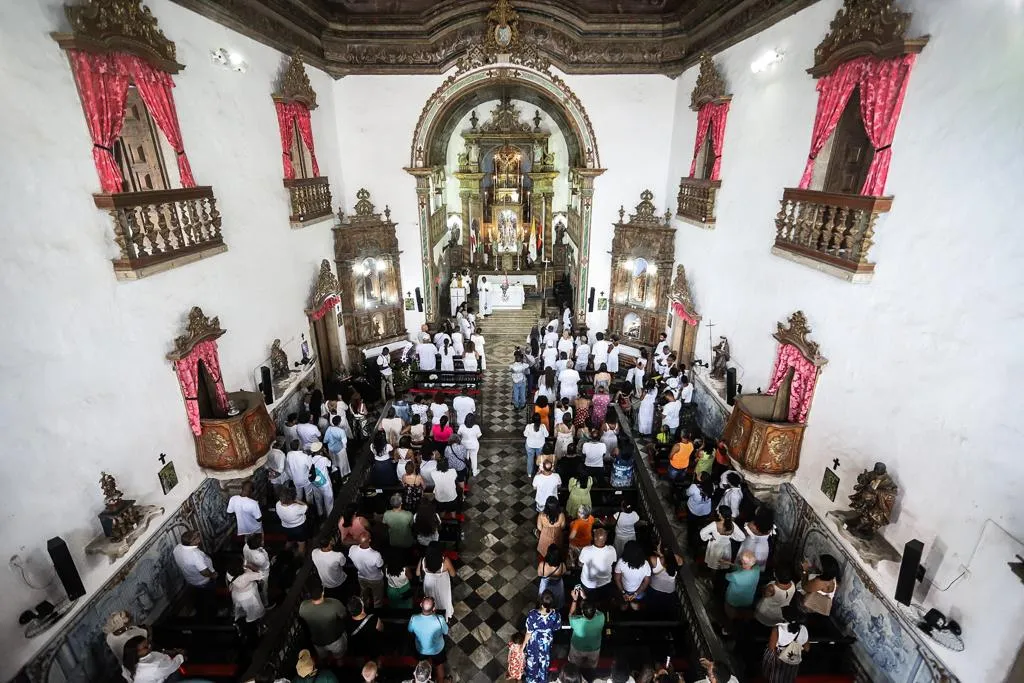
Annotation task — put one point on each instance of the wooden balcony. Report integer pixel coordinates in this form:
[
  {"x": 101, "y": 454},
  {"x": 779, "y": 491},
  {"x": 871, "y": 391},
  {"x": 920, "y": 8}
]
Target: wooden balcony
[
  {"x": 696, "y": 200},
  {"x": 829, "y": 231},
  {"x": 310, "y": 200},
  {"x": 163, "y": 229}
]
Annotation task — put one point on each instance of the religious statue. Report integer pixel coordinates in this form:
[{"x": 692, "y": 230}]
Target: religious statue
[
  {"x": 111, "y": 495},
  {"x": 560, "y": 233},
  {"x": 873, "y": 497},
  {"x": 720, "y": 359},
  {"x": 278, "y": 361}
]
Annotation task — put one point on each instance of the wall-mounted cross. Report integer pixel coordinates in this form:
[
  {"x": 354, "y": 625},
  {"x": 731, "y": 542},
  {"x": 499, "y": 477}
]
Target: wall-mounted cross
[
  {"x": 835, "y": 463},
  {"x": 162, "y": 458}
]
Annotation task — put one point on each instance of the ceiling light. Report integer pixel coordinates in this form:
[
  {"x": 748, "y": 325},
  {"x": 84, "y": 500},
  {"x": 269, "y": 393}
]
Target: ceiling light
[
  {"x": 765, "y": 61},
  {"x": 229, "y": 59}
]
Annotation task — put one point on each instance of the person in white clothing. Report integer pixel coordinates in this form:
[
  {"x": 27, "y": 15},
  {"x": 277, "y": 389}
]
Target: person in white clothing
[
  {"x": 298, "y": 463},
  {"x": 550, "y": 356},
  {"x": 550, "y": 335},
  {"x": 330, "y": 566},
  {"x": 426, "y": 353},
  {"x": 632, "y": 573},
  {"x": 613, "y": 356},
  {"x": 462, "y": 405},
  {"x": 596, "y": 564},
  {"x": 582, "y": 354},
  {"x": 256, "y": 558},
  {"x": 565, "y": 344},
  {"x": 716, "y": 672},
  {"x": 387, "y": 382},
  {"x": 568, "y": 383},
  {"x": 685, "y": 389},
  {"x": 546, "y": 484},
  {"x": 246, "y": 511},
  {"x": 369, "y": 568},
  {"x": 600, "y": 350},
  {"x": 120, "y": 629},
  {"x": 277, "y": 473},
  {"x": 478, "y": 347},
  {"x": 470, "y": 434},
  {"x": 732, "y": 495},
  {"x": 484, "y": 294},
  {"x": 308, "y": 430},
  {"x": 458, "y": 343},
  {"x": 321, "y": 487},
  {"x": 197, "y": 568},
  {"x": 147, "y": 665},
  {"x": 670, "y": 412},
  {"x": 244, "y": 585},
  {"x": 662, "y": 348},
  {"x": 566, "y": 319}
]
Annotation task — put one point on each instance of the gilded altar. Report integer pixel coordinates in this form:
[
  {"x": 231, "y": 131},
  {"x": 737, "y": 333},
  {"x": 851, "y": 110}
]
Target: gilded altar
[
  {"x": 366, "y": 255},
  {"x": 643, "y": 251}
]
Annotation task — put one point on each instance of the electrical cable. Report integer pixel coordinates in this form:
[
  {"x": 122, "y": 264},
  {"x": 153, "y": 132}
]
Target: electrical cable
[{"x": 14, "y": 563}]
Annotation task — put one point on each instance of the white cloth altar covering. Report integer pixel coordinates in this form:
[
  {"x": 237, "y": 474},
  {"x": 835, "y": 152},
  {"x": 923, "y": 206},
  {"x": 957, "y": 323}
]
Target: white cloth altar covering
[{"x": 458, "y": 297}]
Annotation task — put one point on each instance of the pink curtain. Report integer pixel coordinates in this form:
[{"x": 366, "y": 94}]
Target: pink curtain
[
  {"x": 103, "y": 87},
  {"x": 326, "y": 307},
  {"x": 284, "y": 124},
  {"x": 155, "y": 88},
  {"x": 718, "y": 116},
  {"x": 703, "y": 119},
  {"x": 680, "y": 312},
  {"x": 834, "y": 91},
  {"x": 301, "y": 114},
  {"x": 187, "y": 370},
  {"x": 882, "y": 89},
  {"x": 805, "y": 376}
]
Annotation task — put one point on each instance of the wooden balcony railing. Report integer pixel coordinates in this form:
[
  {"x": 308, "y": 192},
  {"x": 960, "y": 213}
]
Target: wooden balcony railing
[
  {"x": 310, "y": 199},
  {"x": 831, "y": 228},
  {"x": 696, "y": 199},
  {"x": 162, "y": 229}
]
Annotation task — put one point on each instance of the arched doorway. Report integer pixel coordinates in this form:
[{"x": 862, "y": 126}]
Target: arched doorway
[{"x": 546, "y": 183}]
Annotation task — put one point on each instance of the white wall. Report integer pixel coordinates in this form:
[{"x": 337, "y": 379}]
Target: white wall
[
  {"x": 632, "y": 119},
  {"x": 86, "y": 384},
  {"x": 924, "y": 360}
]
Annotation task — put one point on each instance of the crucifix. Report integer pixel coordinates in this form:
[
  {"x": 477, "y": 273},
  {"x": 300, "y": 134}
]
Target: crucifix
[
  {"x": 835, "y": 463},
  {"x": 162, "y": 458}
]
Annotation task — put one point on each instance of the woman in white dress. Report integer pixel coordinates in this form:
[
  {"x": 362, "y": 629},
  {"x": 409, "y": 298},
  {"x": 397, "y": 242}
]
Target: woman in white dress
[
  {"x": 339, "y": 409},
  {"x": 470, "y": 360},
  {"x": 447, "y": 356},
  {"x": 563, "y": 434},
  {"x": 458, "y": 342},
  {"x": 245, "y": 592},
  {"x": 759, "y": 530},
  {"x": 645, "y": 414},
  {"x": 478, "y": 346},
  {"x": 719, "y": 536},
  {"x": 437, "y": 571}
]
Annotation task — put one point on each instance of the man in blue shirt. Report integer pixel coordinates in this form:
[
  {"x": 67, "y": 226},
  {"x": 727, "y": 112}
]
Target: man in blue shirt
[{"x": 430, "y": 629}]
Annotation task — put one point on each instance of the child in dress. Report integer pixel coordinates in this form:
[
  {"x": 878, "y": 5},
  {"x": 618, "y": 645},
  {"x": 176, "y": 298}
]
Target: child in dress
[{"x": 516, "y": 658}]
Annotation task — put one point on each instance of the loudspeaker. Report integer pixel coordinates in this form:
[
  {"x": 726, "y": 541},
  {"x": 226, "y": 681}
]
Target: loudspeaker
[
  {"x": 266, "y": 385},
  {"x": 65, "y": 566},
  {"x": 730, "y": 386},
  {"x": 419, "y": 300},
  {"x": 590, "y": 301},
  {"x": 912, "y": 552}
]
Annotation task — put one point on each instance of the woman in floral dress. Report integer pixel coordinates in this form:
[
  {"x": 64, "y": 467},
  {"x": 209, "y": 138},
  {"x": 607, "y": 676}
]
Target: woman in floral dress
[
  {"x": 599, "y": 406},
  {"x": 541, "y": 624}
]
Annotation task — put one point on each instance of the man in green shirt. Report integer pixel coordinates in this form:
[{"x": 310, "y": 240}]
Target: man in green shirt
[
  {"x": 399, "y": 524},
  {"x": 587, "y": 628}
]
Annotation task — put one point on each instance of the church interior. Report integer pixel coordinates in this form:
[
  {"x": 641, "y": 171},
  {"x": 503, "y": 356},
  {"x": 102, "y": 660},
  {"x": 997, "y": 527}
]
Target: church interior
[{"x": 719, "y": 237}]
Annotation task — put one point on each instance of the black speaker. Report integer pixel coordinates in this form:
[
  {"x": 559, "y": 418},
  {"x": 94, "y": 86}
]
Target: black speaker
[
  {"x": 590, "y": 301},
  {"x": 266, "y": 385},
  {"x": 912, "y": 552},
  {"x": 419, "y": 300},
  {"x": 65, "y": 566},
  {"x": 730, "y": 386}
]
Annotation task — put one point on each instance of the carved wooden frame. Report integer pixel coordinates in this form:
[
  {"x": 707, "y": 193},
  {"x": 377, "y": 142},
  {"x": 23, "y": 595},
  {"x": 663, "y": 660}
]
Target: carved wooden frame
[
  {"x": 198, "y": 328},
  {"x": 797, "y": 334},
  {"x": 294, "y": 85},
  {"x": 118, "y": 26},
  {"x": 861, "y": 28},
  {"x": 710, "y": 86}
]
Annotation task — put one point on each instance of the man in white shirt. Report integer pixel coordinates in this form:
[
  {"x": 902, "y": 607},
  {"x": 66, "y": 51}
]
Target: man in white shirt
[
  {"x": 330, "y": 565},
  {"x": 276, "y": 470},
  {"x": 613, "y": 357},
  {"x": 685, "y": 390},
  {"x": 550, "y": 356},
  {"x": 600, "y": 350},
  {"x": 308, "y": 431},
  {"x": 120, "y": 629},
  {"x": 153, "y": 666},
  {"x": 670, "y": 412},
  {"x": 462, "y": 405},
  {"x": 426, "y": 352},
  {"x": 551, "y": 335},
  {"x": 545, "y": 484},
  {"x": 582, "y": 354},
  {"x": 565, "y": 344},
  {"x": 485, "y": 297},
  {"x": 197, "y": 568},
  {"x": 596, "y": 564},
  {"x": 298, "y": 462},
  {"x": 387, "y": 382},
  {"x": 368, "y": 563},
  {"x": 568, "y": 383},
  {"x": 594, "y": 453},
  {"x": 246, "y": 511},
  {"x": 662, "y": 348}
]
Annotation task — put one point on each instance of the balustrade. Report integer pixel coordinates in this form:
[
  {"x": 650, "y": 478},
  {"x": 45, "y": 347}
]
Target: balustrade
[
  {"x": 832, "y": 228},
  {"x": 696, "y": 199},
  {"x": 161, "y": 229},
  {"x": 310, "y": 199}
]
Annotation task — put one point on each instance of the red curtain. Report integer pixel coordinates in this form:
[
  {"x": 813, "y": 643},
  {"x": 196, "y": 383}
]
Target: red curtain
[
  {"x": 103, "y": 87},
  {"x": 805, "y": 376},
  {"x": 679, "y": 311},
  {"x": 301, "y": 114},
  {"x": 834, "y": 91},
  {"x": 718, "y": 116},
  {"x": 155, "y": 88},
  {"x": 326, "y": 307},
  {"x": 882, "y": 89},
  {"x": 284, "y": 125},
  {"x": 187, "y": 370},
  {"x": 703, "y": 119}
]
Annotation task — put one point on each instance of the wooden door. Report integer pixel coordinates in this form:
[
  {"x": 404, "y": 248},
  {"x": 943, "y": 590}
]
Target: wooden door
[
  {"x": 327, "y": 345},
  {"x": 137, "y": 149},
  {"x": 851, "y": 151}
]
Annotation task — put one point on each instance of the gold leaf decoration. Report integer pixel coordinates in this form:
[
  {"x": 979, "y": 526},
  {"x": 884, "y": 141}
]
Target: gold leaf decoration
[
  {"x": 710, "y": 85},
  {"x": 295, "y": 86},
  {"x": 119, "y": 26}
]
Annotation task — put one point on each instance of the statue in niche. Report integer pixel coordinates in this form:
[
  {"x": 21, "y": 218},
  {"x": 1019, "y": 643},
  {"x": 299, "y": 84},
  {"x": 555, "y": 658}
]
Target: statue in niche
[
  {"x": 559, "y": 233},
  {"x": 872, "y": 501},
  {"x": 278, "y": 361},
  {"x": 720, "y": 359},
  {"x": 474, "y": 153}
]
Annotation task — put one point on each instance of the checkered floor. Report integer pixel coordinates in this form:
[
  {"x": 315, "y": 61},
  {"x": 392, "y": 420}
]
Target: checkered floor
[{"x": 497, "y": 582}]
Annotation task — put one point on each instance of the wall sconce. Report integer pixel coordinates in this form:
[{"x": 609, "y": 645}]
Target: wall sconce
[
  {"x": 766, "y": 60},
  {"x": 229, "y": 59}
]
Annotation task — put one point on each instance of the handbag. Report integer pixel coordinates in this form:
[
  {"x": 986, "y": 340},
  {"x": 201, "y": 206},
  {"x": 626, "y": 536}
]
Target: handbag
[{"x": 792, "y": 654}]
